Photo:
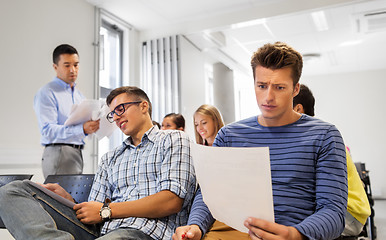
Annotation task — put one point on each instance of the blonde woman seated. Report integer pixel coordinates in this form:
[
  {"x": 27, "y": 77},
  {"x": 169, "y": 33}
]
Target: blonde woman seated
[{"x": 207, "y": 122}]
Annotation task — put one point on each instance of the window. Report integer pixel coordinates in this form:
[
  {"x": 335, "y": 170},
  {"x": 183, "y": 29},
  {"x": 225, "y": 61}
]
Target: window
[{"x": 113, "y": 55}]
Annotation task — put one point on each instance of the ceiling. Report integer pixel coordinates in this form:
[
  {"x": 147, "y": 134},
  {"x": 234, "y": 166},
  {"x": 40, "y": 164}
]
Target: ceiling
[{"x": 333, "y": 38}]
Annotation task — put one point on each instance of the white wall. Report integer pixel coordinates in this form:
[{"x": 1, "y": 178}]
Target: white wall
[
  {"x": 30, "y": 30},
  {"x": 192, "y": 82},
  {"x": 354, "y": 103}
]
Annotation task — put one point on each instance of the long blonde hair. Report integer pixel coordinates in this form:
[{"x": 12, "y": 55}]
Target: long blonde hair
[{"x": 213, "y": 113}]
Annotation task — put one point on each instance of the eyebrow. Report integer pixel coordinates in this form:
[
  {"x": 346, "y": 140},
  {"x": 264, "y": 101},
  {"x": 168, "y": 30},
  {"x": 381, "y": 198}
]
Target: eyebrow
[{"x": 274, "y": 84}]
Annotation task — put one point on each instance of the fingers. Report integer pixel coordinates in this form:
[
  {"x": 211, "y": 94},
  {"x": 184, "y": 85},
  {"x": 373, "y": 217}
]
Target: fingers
[
  {"x": 87, "y": 212},
  {"x": 254, "y": 236},
  {"x": 262, "y": 229},
  {"x": 90, "y": 126},
  {"x": 180, "y": 232},
  {"x": 94, "y": 125},
  {"x": 191, "y": 232},
  {"x": 258, "y": 228}
]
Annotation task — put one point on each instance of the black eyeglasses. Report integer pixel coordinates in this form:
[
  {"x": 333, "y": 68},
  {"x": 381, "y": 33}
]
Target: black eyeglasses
[{"x": 119, "y": 110}]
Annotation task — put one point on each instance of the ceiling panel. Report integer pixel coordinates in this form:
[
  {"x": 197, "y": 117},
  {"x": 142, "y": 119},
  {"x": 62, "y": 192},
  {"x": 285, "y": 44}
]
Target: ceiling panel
[
  {"x": 342, "y": 48},
  {"x": 249, "y": 34}
]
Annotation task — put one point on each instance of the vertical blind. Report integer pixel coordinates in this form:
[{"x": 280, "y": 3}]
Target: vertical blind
[{"x": 161, "y": 75}]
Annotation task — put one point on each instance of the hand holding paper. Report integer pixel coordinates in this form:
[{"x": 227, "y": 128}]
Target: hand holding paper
[
  {"x": 235, "y": 183},
  {"x": 91, "y": 109}
]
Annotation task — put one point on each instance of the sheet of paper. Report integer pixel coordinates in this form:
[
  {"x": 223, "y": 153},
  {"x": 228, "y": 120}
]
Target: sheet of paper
[
  {"x": 55, "y": 196},
  {"x": 83, "y": 111},
  {"x": 235, "y": 183},
  {"x": 92, "y": 109},
  {"x": 106, "y": 128}
]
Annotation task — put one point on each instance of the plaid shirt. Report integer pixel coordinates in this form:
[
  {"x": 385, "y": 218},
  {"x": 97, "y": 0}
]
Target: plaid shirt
[{"x": 162, "y": 161}]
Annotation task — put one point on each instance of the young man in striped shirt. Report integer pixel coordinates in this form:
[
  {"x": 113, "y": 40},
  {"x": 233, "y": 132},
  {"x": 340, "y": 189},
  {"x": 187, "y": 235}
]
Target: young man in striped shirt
[{"x": 308, "y": 164}]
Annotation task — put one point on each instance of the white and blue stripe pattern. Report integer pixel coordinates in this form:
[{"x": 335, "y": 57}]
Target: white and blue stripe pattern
[{"x": 308, "y": 169}]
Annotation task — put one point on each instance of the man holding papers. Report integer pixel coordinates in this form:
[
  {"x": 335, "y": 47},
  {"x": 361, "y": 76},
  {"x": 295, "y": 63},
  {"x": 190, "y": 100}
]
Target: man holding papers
[
  {"x": 53, "y": 102},
  {"x": 142, "y": 189},
  {"x": 307, "y": 155}
]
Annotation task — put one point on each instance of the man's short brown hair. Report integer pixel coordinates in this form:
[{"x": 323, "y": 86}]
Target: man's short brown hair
[
  {"x": 277, "y": 56},
  {"x": 131, "y": 91}
]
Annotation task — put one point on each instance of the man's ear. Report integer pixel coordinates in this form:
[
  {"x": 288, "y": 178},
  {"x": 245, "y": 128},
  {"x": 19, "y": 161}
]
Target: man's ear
[
  {"x": 144, "y": 106},
  {"x": 296, "y": 90},
  {"x": 55, "y": 66},
  {"x": 299, "y": 108}
]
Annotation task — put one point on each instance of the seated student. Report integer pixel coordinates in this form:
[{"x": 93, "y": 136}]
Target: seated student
[
  {"x": 308, "y": 162},
  {"x": 207, "y": 121},
  {"x": 143, "y": 189},
  {"x": 155, "y": 123},
  {"x": 173, "y": 121},
  {"x": 358, "y": 207}
]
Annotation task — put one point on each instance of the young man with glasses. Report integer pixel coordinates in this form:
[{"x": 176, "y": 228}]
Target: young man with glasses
[
  {"x": 143, "y": 189},
  {"x": 53, "y": 102}
]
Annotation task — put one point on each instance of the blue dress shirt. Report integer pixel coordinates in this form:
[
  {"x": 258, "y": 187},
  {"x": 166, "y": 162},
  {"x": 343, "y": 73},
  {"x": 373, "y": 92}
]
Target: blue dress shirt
[{"x": 52, "y": 104}]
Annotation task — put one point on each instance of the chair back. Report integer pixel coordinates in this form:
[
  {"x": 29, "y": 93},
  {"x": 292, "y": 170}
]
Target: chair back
[
  {"x": 78, "y": 185},
  {"x": 4, "y": 179}
]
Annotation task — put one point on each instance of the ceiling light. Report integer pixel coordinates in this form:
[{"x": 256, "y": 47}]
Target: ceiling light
[
  {"x": 351, "y": 43},
  {"x": 310, "y": 57},
  {"x": 249, "y": 23},
  {"x": 320, "y": 21}
]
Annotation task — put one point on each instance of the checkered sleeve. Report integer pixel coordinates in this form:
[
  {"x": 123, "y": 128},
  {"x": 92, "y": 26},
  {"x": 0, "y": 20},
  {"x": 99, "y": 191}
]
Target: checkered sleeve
[{"x": 177, "y": 172}]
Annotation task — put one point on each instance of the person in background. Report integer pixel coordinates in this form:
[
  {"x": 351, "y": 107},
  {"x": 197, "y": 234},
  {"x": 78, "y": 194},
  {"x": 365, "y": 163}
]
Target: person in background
[
  {"x": 143, "y": 189},
  {"x": 304, "y": 102},
  {"x": 207, "y": 121},
  {"x": 155, "y": 123},
  {"x": 52, "y": 103},
  {"x": 173, "y": 121},
  {"x": 358, "y": 206},
  {"x": 307, "y": 156}
]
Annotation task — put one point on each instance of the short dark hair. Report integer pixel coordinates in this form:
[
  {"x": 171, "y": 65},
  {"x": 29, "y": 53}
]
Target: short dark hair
[
  {"x": 305, "y": 98},
  {"x": 178, "y": 119},
  {"x": 157, "y": 123},
  {"x": 63, "y": 49},
  {"x": 136, "y": 92},
  {"x": 277, "y": 56}
]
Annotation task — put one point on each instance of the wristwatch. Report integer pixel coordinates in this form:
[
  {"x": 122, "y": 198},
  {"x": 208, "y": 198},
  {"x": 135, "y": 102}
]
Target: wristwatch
[{"x": 105, "y": 211}]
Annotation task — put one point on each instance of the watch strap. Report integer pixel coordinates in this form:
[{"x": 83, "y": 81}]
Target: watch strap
[
  {"x": 105, "y": 207},
  {"x": 106, "y": 203}
]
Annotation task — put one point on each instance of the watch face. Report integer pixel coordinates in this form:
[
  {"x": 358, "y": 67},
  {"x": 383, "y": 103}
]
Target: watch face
[{"x": 105, "y": 213}]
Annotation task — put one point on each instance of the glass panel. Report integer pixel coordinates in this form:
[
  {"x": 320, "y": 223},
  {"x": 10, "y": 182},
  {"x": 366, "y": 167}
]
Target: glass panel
[{"x": 110, "y": 75}]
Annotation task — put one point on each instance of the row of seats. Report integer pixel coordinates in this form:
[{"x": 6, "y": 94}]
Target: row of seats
[{"x": 78, "y": 185}]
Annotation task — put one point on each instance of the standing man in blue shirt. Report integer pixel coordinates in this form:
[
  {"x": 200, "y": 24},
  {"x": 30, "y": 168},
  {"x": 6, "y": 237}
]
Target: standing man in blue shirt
[{"x": 53, "y": 102}]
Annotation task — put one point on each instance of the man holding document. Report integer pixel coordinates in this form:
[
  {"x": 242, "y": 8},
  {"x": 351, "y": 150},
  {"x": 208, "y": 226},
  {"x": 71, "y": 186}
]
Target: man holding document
[
  {"x": 53, "y": 103},
  {"x": 307, "y": 158},
  {"x": 143, "y": 189}
]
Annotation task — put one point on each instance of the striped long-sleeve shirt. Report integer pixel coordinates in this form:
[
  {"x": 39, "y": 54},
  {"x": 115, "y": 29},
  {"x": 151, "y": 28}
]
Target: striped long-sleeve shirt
[{"x": 308, "y": 169}]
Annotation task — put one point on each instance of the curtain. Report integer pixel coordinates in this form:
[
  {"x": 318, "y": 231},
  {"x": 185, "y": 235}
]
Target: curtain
[{"x": 161, "y": 75}]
